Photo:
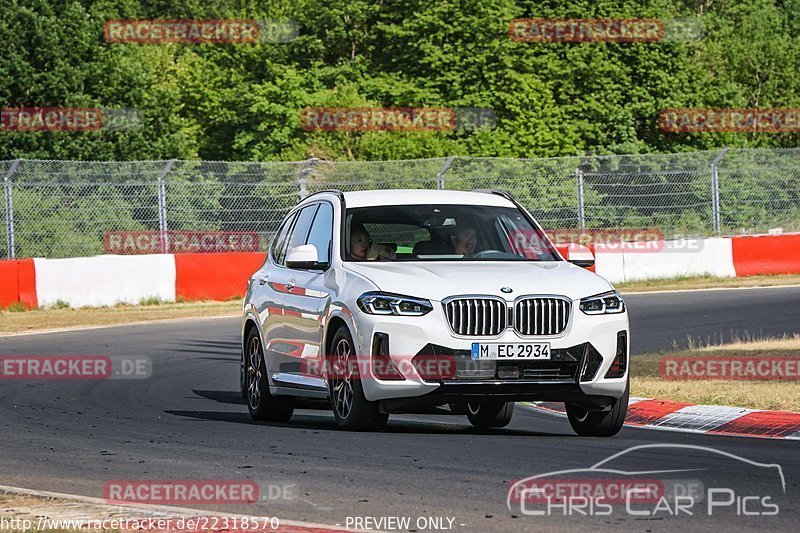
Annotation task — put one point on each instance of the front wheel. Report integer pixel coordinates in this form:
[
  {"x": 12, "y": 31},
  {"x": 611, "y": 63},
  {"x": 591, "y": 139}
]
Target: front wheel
[
  {"x": 261, "y": 404},
  {"x": 351, "y": 409},
  {"x": 599, "y": 423},
  {"x": 487, "y": 414}
]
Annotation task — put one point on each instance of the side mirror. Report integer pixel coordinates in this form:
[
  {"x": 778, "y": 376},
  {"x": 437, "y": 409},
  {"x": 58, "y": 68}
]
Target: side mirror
[
  {"x": 581, "y": 255},
  {"x": 304, "y": 257}
]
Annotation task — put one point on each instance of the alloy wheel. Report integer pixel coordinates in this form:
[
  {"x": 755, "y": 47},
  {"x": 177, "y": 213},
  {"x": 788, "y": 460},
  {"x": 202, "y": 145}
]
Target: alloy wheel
[
  {"x": 343, "y": 379},
  {"x": 254, "y": 373}
]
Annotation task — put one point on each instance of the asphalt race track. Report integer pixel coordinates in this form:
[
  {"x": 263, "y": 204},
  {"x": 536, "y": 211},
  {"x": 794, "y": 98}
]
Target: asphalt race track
[
  {"x": 711, "y": 317},
  {"x": 188, "y": 422}
]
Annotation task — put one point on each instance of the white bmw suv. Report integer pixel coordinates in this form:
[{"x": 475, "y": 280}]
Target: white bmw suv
[{"x": 398, "y": 300}]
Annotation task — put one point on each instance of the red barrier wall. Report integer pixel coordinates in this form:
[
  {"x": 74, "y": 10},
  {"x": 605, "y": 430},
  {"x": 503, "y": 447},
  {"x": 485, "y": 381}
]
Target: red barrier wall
[
  {"x": 18, "y": 283},
  {"x": 766, "y": 254},
  {"x": 214, "y": 276}
]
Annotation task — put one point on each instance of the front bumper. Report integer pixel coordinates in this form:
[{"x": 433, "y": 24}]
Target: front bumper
[{"x": 555, "y": 380}]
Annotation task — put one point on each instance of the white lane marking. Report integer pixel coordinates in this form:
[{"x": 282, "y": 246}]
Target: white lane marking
[
  {"x": 544, "y": 407},
  {"x": 701, "y": 417}
]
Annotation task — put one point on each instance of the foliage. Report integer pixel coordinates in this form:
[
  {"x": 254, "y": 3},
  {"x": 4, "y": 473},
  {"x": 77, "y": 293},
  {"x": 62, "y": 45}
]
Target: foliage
[{"x": 243, "y": 101}]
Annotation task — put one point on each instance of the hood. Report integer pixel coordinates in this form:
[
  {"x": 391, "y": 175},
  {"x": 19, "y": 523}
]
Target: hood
[{"x": 438, "y": 280}]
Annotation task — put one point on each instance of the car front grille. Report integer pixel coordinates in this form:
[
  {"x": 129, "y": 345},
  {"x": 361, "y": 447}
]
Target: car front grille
[
  {"x": 476, "y": 317},
  {"x": 541, "y": 316}
]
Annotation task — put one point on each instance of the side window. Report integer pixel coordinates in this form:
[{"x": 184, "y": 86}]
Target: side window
[
  {"x": 279, "y": 244},
  {"x": 301, "y": 227},
  {"x": 322, "y": 232}
]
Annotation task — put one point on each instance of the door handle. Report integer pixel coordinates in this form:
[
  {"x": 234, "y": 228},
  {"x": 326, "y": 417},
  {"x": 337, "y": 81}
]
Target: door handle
[
  {"x": 263, "y": 280},
  {"x": 290, "y": 285}
]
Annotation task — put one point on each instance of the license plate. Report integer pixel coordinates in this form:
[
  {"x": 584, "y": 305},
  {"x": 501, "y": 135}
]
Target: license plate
[{"x": 522, "y": 350}]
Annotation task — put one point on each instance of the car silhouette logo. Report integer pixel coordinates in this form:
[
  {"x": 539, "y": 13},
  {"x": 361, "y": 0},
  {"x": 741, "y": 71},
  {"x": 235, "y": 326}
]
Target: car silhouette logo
[{"x": 505, "y": 290}]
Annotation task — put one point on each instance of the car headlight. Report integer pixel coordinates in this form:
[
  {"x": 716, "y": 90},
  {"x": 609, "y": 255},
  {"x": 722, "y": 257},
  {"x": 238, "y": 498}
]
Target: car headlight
[
  {"x": 381, "y": 303},
  {"x": 601, "y": 304}
]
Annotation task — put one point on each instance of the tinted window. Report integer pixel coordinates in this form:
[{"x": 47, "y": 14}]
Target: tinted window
[
  {"x": 301, "y": 227},
  {"x": 447, "y": 232},
  {"x": 322, "y": 231},
  {"x": 279, "y": 244}
]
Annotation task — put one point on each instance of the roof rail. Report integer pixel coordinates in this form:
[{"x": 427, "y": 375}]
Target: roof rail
[
  {"x": 337, "y": 192},
  {"x": 504, "y": 194}
]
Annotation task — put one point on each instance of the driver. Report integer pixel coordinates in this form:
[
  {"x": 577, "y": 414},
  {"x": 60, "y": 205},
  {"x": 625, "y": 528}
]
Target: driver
[
  {"x": 465, "y": 240},
  {"x": 363, "y": 249}
]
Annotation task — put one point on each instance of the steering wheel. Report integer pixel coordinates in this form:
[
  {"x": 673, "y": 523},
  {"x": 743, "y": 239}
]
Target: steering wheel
[{"x": 487, "y": 253}]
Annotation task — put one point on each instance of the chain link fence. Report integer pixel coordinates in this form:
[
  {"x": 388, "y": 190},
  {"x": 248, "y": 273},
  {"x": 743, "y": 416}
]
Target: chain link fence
[{"x": 69, "y": 208}]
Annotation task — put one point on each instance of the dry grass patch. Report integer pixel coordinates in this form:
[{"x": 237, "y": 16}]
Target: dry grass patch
[
  {"x": 63, "y": 317},
  {"x": 646, "y": 380},
  {"x": 17, "y": 508}
]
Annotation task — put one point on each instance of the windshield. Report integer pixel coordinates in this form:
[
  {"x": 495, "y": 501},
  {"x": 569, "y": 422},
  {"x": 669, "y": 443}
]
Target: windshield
[{"x": 443, "y": 233}]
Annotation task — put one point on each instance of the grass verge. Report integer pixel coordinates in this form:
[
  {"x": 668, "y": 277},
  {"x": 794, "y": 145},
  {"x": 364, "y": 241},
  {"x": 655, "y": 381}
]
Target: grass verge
[
  {"x": 706, "y": 282},
  {"x": 646, "y": 380},
  {"x": 26, "y": 513},
  {"x": 17, "y": 321}
]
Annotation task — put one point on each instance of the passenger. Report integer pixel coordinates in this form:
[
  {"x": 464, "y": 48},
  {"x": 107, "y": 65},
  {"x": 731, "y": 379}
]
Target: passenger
[
  {"x": 465, "y": 240},
  {"x": 363, "y": 249}
]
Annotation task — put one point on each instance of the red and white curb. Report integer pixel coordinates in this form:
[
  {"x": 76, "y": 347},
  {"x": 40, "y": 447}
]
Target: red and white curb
[{"x": 710, "y": 419}]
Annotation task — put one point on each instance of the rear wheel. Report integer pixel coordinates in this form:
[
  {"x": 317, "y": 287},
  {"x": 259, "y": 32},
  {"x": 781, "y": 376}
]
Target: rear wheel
[
  {"x": 485, "y": 414},
  {"x": 599, "y": 423},
  {"x": 351, "y": 409},
  {"x": 261, "y": 404}
]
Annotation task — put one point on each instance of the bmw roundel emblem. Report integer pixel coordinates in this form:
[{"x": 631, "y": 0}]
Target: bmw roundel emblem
[{"x": 505, "y": 290}]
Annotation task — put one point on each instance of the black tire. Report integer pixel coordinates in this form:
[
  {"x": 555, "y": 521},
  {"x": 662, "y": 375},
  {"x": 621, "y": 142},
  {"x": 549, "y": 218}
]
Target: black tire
[
  {"x": 487, "y": 414},
  {"x": 261, "y": 404},
  {"x": 599, "y": 423},
  {"x": 350, "y": 408},
  {"x": 459, "y": 408}
]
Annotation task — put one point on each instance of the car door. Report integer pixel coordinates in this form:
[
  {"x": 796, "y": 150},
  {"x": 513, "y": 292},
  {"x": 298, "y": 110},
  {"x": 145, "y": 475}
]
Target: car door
[
  {"x": 306, "y": 304},
  {"x": 290, "y": 346},
  {"x": 267, "y": 293}
]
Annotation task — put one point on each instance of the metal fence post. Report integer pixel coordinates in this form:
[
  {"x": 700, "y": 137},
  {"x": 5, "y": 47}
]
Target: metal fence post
[
  {"x": 715, "y": 190},
  {"x": 162, "y": 207},
  {"x": 302, "y": 177},
  {"x": 10, "y": 209},
  {"x": 581, "y": 207},
  {"x": 443, "y": 170}
]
